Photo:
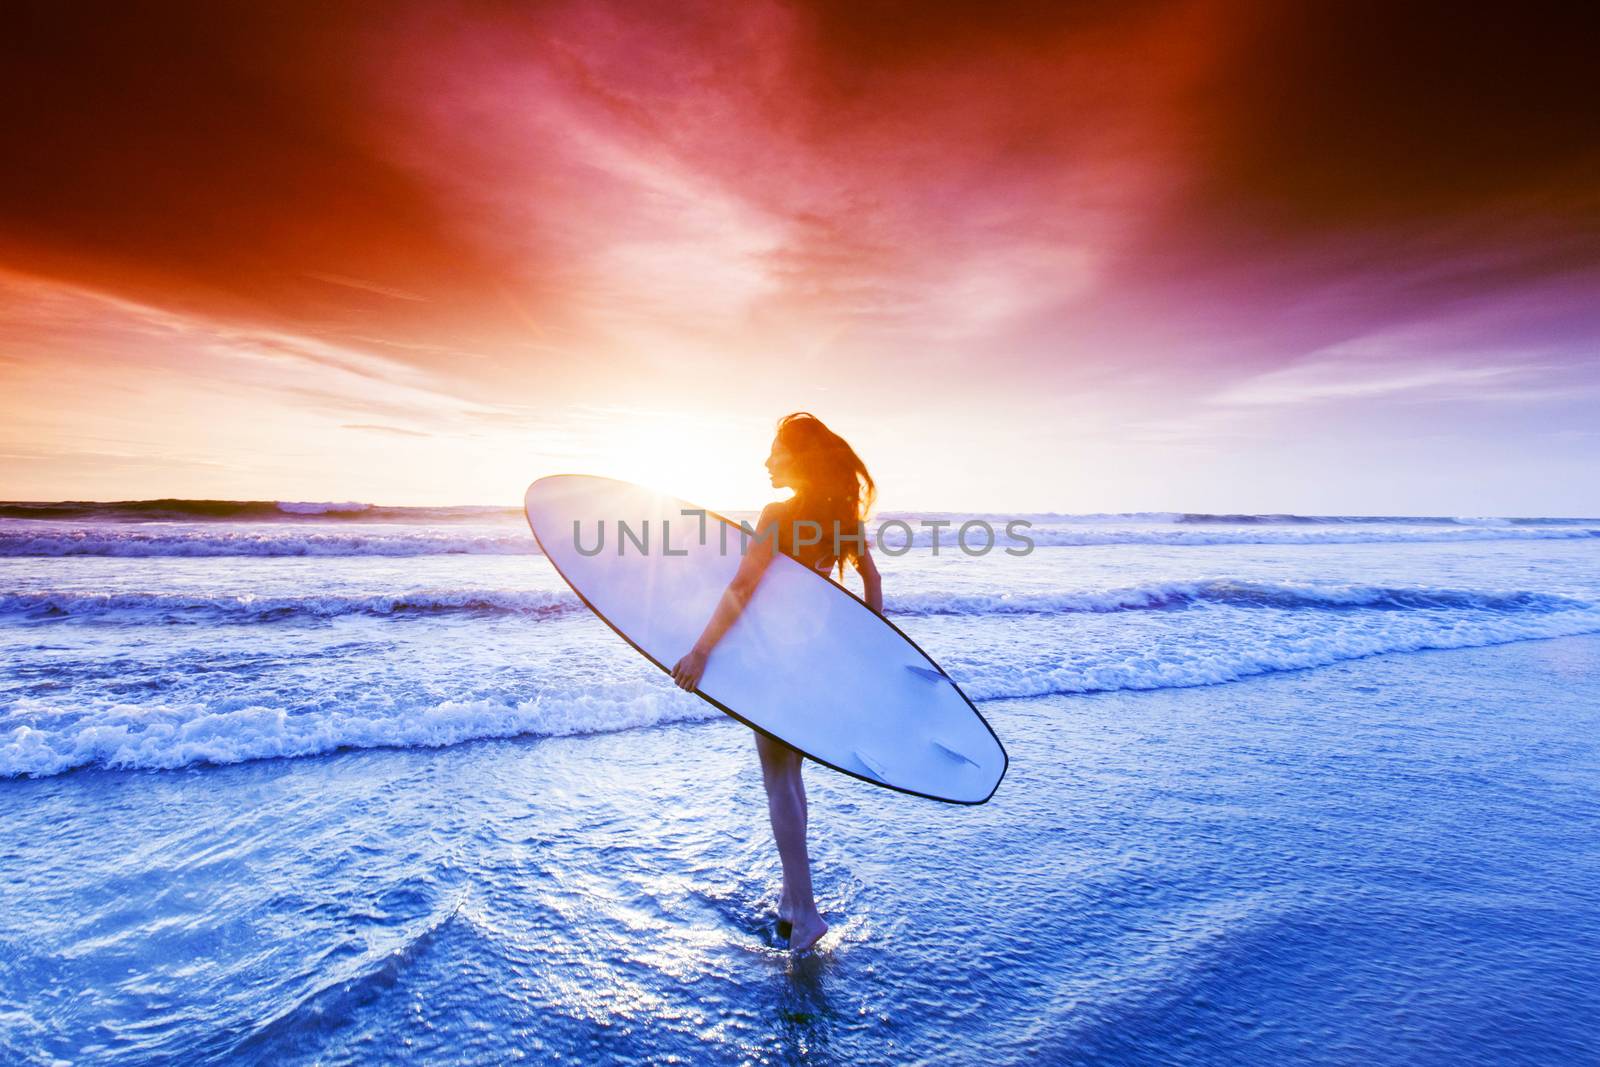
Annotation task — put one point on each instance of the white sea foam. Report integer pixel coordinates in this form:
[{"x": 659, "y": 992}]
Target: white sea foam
[
  {"x": 37, "y": 739},
  {"x": 155, "y": 540},
  {"x": 296, "y": 507},
  {"x": 893, "y": 539},
  {"x": 159, "y": 606},
  {"x": 134, "y": 540},
  {"x": 1247, "y": 653},
  {"x": 1236, "y": 593},
  {"x": 298, "y": 714},
  {"x": 144, "y": 658},
  {"x": 148, "y": 607}
]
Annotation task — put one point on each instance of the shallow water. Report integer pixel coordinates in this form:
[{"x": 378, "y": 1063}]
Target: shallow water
[{"x": 1369, "y": 863}]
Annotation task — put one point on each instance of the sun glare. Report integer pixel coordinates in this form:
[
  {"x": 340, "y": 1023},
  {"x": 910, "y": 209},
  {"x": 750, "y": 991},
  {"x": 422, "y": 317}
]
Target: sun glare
[{"x": 706, "y": 461}]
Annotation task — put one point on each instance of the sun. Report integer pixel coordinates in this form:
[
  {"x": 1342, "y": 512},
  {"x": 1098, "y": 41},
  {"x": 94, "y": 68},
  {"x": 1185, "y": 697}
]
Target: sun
[{"x": 708, "y": 460}]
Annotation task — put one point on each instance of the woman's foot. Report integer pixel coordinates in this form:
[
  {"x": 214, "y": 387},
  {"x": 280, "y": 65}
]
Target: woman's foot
[{"x": 806, "y": 932}]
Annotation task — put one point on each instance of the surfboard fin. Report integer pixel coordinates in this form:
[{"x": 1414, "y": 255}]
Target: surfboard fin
[
  {"x": 953, "y": 752},
  {"x": 871, "y": 765},
  {"x": 926, "y": 672}
]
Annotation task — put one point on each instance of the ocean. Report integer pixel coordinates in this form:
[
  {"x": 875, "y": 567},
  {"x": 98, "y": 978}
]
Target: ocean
[{"x": 287, "y": 782}]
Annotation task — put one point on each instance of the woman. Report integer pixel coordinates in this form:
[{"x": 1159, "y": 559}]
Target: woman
[{"x": 821, "y": 526}]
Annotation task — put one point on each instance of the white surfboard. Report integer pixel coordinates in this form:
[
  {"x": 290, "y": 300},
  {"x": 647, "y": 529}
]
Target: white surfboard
[{"x": 807, "y": 662}]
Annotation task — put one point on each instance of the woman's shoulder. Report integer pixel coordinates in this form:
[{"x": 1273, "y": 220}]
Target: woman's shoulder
[
  {"x": 777, "y": 511},
  {"x": 777, "y": 521}
]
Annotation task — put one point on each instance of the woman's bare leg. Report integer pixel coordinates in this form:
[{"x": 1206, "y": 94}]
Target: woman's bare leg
[
  {"x": 786, "y": 807},
  {"x": 785, "y": 908}
]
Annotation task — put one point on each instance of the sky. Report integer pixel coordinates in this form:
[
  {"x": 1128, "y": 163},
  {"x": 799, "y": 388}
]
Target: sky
[{"x": 1319, "y": 257}]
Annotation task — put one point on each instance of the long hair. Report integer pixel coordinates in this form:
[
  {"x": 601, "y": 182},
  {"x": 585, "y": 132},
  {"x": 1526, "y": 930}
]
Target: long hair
[{"x": 835, "y": 491}]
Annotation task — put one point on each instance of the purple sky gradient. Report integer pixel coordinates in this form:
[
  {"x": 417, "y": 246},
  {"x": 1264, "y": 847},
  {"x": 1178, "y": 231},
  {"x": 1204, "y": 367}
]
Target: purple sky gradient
[{"x": 1320, "y": 257}]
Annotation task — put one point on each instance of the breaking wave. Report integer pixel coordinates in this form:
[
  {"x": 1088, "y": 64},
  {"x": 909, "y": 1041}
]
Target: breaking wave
[
  {"x": 36, "y": 739},
  {"x": 1282, "y": 595},
  {"x": 179, "y": 510},
  {"x": 509, "y": 539},
  {"x": 159, "y": 607},
  {"x": 262, "y": 540},
  {"x": 283, "y": 713},
  {"x": 246, "y": 608}
]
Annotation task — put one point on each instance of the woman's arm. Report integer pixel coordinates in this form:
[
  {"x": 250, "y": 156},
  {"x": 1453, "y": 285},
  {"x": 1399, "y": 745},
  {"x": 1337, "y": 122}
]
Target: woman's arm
[
  {"x": 871, "y": 582},
  {"x": 686, "y": 673}
]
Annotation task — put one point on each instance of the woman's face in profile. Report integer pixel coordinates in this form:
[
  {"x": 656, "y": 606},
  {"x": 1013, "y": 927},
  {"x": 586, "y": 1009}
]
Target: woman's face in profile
[{"x": 780, "y": 465}]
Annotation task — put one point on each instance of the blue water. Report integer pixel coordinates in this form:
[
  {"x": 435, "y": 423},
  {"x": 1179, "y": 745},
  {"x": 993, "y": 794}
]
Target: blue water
[{"x": 366, "y": 788}]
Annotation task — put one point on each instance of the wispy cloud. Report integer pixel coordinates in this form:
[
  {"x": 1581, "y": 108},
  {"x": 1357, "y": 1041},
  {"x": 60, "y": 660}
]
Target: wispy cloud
[
  {"x": 1324, "y": 380},
  {"x": 376, "y": 428},
  {"x": 92, "y": 325},
  {"x": 366, "y": 287}
]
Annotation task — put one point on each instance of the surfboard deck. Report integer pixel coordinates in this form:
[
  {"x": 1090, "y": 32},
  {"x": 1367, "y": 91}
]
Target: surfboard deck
[{"x": 807, "y": 662}]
